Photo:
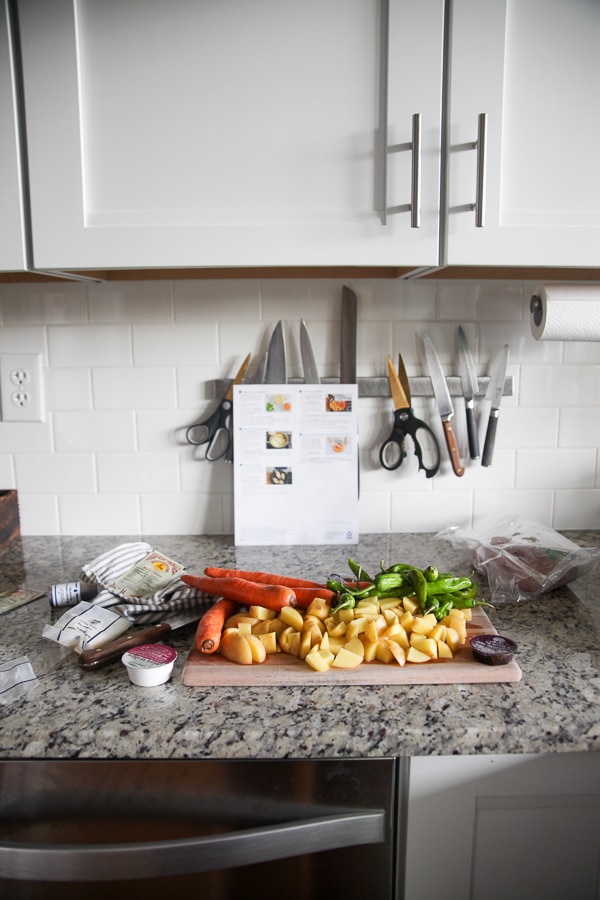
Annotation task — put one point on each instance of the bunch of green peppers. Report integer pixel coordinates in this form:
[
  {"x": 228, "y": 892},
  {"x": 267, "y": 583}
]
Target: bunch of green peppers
[{"x": 435, "y": 592}]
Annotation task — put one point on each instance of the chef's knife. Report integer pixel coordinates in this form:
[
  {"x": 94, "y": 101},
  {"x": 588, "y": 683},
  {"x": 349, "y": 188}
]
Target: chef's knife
[
  {"x": 348, "y": 337},
  {"x": 494, "y": 393},
  {"x": 348, "y": 351},
  {"x": 309, "y": 365},
  {"x": 90, "y": 660},
  {"x": 275, "y": 372},
  {"x": 470, "y": 387},
  {"x": 445, "y": 407}
]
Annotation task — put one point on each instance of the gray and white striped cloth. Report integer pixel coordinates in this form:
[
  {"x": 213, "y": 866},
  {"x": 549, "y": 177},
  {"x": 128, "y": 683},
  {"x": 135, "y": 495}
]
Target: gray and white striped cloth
[{"x": 174, "y": 598}]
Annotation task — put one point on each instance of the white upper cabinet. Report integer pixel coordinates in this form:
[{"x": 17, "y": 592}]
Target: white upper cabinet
[
  {"x": 12, "y": 255},
  {"x": 533, "y": 68},
  {"x": 233, "y": 133}
]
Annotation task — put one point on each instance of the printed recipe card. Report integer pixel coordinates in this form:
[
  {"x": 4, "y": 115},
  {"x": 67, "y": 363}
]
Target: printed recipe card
[{"x": 295, "y": 463}]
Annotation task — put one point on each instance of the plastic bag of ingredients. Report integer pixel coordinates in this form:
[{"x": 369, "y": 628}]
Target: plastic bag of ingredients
[{"x": 522, "y": 560}]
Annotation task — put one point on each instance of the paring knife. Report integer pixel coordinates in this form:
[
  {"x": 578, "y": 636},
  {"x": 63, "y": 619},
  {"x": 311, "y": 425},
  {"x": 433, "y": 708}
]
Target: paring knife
[
  {"x": 470, "y": 387},
  {"x": 309, "y": 365},
  {"x": 90, "y": 660},
  {"x": 275, "y": 372},
  {"x": 348, "y": 337},
  {"x": 494, "y": 393},
  {"x": 445, "y": 407}
]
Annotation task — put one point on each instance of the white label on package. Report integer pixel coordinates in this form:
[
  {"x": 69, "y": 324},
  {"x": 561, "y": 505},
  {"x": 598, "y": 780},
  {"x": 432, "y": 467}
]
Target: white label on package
[{"x": 295, "y": 464}]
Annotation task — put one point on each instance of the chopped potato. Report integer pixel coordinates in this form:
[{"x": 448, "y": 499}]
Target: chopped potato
[{"x": 390, "y": 631}]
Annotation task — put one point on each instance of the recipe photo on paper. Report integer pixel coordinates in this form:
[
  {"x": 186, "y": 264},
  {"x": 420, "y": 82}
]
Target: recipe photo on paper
[{"x": 295, "y": 464}]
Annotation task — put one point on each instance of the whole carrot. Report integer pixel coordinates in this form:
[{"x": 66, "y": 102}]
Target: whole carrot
[
  {"x": 261, "y": 577},
  {"x": 271, "y": 596},
  {"x": 210, "y": 626}
]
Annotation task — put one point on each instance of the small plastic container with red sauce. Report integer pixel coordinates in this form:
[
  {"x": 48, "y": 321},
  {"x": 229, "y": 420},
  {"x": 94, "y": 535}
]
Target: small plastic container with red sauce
[{"x": 149, "y": 664}]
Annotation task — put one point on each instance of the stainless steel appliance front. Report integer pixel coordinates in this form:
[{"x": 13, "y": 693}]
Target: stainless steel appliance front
[{"x": 224, "y": 829}]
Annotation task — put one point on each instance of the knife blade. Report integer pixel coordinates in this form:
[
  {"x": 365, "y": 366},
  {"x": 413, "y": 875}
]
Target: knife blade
[
  {"x": 309, "y": 365},
  {"x": 275, "y": 371},
  {"x": 348, "y": 337},
  {"x": 444, "y": 403},
  {"x": 470, "y": 386},
  {"x": 90, "y": 660},
  {"x": 494, "y": 394}
]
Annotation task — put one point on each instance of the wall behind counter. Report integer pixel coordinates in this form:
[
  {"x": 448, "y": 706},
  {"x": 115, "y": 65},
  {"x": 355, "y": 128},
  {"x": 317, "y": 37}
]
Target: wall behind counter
[{"x": 128, "y": 365}]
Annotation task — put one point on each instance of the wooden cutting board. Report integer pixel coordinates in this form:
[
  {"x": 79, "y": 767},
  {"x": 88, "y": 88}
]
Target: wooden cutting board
[{"x": 281, "y": 669}]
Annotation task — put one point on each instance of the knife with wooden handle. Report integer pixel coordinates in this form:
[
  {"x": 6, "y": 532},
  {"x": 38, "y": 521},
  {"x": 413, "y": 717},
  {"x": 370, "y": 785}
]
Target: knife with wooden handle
[
  {"x": 90, "y": 660},
  {"x": 445, "y": 407}
]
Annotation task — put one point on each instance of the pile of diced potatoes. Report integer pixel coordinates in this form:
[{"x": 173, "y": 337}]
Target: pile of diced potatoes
[{"x": 389, "y": 630}]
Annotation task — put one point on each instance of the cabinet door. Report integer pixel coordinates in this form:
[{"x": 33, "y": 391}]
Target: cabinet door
[
  {"x": 227, "y": 133},
  {"x": 533, "y": 67},
  {"x": 492, "y": 827},
  {"x": 12, "y": 257}
]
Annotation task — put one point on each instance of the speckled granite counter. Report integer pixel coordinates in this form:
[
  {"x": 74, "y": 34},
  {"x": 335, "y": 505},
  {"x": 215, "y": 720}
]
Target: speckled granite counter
[{"x": 71, "y": 713}]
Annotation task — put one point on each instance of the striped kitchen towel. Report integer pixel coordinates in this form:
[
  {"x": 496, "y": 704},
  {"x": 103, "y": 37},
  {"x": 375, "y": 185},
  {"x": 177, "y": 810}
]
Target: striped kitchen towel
[
  {"x": 16, "y": 679},
  {"x": 173, "y": 598}
]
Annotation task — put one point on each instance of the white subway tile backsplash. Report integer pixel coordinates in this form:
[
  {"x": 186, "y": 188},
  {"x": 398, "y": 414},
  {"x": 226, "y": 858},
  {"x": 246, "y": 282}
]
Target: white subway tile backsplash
[
  {"x": 68, "y": 388},
  {"x": 560, "y": 386},
  {"x": 142, "y": 301},
  {"x": 560, "y": 468},
  {"x": 94, "y": 430},
  {"x": 430, "y": 510},
  {"x": 39, "y": 514},
  {"x": 137, "y": 473},
  {"x": 25, "y": 339},
  {"x": 229, "y": 300},
  {"x": 579, "y": 427},
  {"x": 182, "y": 514},
  {"x": 176, "y": 344},
  {"x": 7, "y": 472},
  {"x": 56, "y": 473},
  {"x": 164, "y": 429},
  {"x": 491, "y": 505},
  {"x": 576, "y": 509},
  {"x": 134, "y": 388},
  {"x": 317, "y": 299},
  {"x": 35, "y": 304},
  {"x": 130, "y": 365},
  {"x": 520, "y": 426},
  {"x": 99, "y": 514},
  {"x": 89, "y": 345},
  {"x": 26, "y": 437},
  {"x": 484, "y": 301}
]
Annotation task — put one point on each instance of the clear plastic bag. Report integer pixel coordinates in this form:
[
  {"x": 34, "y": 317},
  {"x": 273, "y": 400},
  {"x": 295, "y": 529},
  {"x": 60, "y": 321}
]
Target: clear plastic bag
[{"x": 522, "y": 559}]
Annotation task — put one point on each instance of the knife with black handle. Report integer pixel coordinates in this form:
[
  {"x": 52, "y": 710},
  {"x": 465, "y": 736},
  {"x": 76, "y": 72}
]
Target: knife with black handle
[
  {"x": 445, "y": 407},
  {"x": 494, "y": 394}
]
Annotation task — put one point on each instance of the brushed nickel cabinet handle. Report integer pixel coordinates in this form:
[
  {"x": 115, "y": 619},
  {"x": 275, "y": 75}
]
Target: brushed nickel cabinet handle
[
  {"x": 415, "y": 186},
  {"x": 480, "y": 146}
]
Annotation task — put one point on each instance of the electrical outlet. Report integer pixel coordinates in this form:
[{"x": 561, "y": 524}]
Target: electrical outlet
[{"x": 21, "y": 388}]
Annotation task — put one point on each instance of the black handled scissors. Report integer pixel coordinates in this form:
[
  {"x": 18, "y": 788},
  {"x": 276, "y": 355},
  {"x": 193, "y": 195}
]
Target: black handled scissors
[
  {"x": 216, "y": 431},
  {"x": 393, "y": 451}
]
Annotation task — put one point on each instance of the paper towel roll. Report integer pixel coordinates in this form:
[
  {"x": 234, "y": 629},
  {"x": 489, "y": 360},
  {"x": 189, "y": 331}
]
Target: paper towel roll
[{"x": 566, "y": 312}]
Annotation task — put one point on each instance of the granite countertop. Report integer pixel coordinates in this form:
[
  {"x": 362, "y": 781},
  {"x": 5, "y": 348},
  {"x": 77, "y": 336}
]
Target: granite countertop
[{"x": 71, "y": 713}]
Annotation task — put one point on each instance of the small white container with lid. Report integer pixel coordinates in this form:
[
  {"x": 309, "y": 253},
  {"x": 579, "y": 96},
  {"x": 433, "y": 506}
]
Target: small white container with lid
[{"x": 149, "y": 664}]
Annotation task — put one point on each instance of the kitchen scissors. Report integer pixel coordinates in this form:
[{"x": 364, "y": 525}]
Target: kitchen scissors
[
  {"x": 216, "y": 430},
  {"x": 393, "y": 450}
]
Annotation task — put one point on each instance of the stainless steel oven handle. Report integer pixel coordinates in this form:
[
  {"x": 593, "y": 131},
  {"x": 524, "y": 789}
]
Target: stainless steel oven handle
[{"x": 115, "y": 862}]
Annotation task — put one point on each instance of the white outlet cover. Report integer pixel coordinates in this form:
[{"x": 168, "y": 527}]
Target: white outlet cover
[{"x": 21, "y": 387}]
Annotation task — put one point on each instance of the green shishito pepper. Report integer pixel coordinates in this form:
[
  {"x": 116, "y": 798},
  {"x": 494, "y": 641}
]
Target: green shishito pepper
[{"x": 434, "y": 591}]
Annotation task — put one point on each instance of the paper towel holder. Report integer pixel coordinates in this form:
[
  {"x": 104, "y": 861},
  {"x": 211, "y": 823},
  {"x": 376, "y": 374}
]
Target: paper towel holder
[{"x": 536, "y": 310}]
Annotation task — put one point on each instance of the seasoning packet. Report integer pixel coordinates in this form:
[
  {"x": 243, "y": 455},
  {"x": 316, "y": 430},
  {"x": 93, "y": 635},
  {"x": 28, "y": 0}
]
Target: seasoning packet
[
  {"x": 85, "y": 627},
  {"x": 16, "y": 679}
]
